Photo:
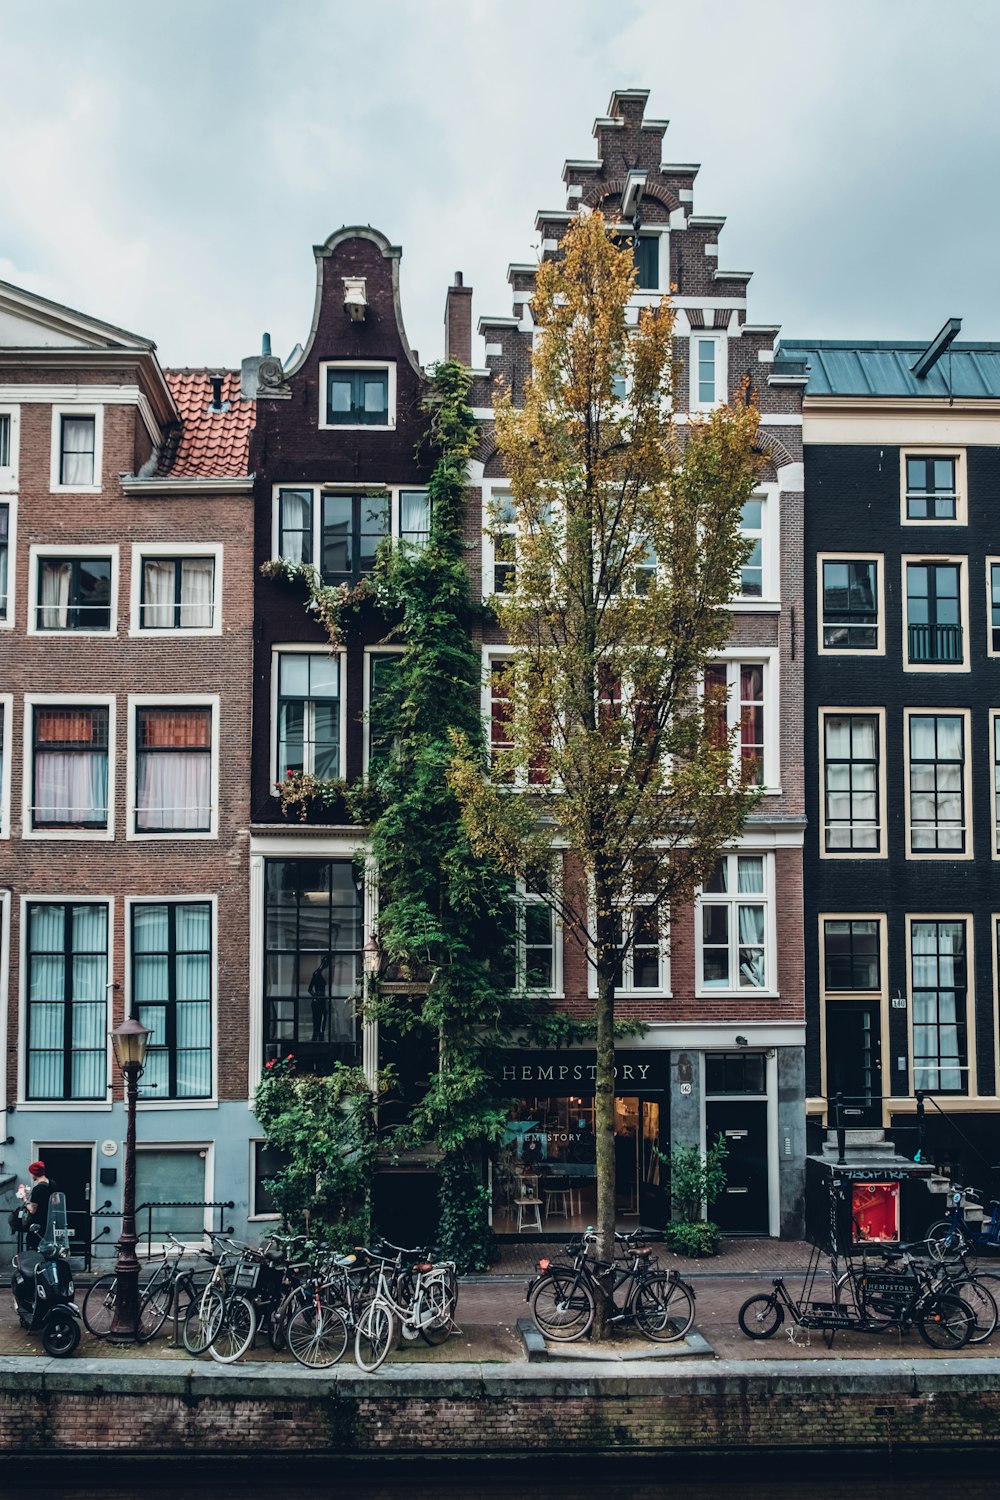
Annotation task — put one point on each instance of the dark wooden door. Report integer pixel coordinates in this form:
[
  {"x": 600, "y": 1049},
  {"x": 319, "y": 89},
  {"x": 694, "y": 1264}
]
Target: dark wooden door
[
  {"x": 742, "y": 1207},
  {"x": 853, "y": 1062}
]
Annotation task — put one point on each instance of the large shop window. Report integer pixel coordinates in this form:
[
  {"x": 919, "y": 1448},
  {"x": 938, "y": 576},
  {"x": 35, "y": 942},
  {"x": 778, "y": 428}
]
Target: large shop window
[
  {"x": 734, "y": 925},
  {"x": 308, "y": 713},
  {"x": 851, "y": 760},
  {"x": 70, "y": 770},
  {"x": 937, "y": 783},
  {"x": 74, "y": 593},
  {"x": 172, "y": 995},
  {"x": 939, "y": 992},
  {"x": 67, "y": 956},
  {"x": 852, "y": 954},
  {"x": 312, "y": 962},
  {"x": 173, "y": 791}
]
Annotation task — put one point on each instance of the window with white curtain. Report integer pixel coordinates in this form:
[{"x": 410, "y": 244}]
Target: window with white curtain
[
  {"x": 937, "y": 784},
  {"x": 70, "y": 767},
  {"x": 67, "y": 1026},
  {"x": 77, "y": 450},
  {"x": 173, "y": 770},
  {"x": 308, "y": 713},
  {"x": 172, "y": 995},
  {"x": 938, "y": 995},
  {"x": 74, "y": 593},
  {"x": 414, "y": 518},
  {"x": 295, "y": 525},
  {"x": 177, "y": 593},
  {"x": 851, "y": 759},
  {"x": 733, "y": 924}
]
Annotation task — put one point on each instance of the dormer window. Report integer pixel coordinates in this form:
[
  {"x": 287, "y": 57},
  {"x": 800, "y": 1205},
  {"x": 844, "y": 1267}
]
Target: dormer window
[{"x": 358, "y": 396}]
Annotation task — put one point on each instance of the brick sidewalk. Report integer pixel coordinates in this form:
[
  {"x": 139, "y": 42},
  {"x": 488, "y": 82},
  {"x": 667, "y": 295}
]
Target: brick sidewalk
[{"x": 736, "y": 1257}]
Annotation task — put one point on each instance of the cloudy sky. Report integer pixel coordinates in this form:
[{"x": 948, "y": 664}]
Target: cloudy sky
[{"x": 169, "y": 167}]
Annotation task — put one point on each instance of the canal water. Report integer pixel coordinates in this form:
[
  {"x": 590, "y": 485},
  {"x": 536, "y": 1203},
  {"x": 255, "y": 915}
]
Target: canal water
[{"x": 794, "y": 1479}]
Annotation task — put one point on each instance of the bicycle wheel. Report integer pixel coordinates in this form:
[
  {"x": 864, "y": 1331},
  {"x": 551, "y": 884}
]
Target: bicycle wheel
[
  {"x": 983, "y": 1305},
  {"x": 948, "y": 1241},
  {"x": 99, "y": 1306},
  {"x": 155, "y": 1301},
  {"x": 437, "y": 1317},
  {"x": 282, "y": 1315},
  {"x": 317, "y": 1334},
  {"x": 235, "y": 1332},
  {"x": 203, "y": 1318},
  {"x": 945, "y": 1322},
  {"x": 374, "y": 1336},
  {"x": 761, "y": 1317},
  {"x": 562, "y": 1305},
  {"x": 663, "y": 1308}
]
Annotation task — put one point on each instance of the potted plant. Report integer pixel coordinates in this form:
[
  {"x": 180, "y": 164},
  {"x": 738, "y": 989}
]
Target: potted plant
[{"x": 696, "y": 1180}]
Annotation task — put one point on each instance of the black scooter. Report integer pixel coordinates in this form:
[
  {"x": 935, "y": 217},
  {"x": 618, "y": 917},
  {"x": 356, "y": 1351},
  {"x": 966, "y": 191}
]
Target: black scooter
[{"x": 43, "y": 1286}]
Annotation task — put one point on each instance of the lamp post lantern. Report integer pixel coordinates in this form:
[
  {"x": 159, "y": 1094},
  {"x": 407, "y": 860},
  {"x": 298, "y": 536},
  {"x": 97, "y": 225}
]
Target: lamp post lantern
[{"x": 130, "y": 1040}]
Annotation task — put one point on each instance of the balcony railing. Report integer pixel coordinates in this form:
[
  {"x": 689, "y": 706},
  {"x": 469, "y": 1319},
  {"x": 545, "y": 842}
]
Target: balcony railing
[{"x": 935, "y": 643}]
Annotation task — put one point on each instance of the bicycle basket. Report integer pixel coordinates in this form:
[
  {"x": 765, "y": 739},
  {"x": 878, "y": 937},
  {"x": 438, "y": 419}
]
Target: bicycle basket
[{"x": 247, "y": 1276}]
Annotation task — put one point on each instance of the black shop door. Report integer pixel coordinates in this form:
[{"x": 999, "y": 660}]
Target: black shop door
[
  {"x": 70, "y": 1168},
  {"x": 853, "y": 1062},
  {"x": 742, "y": 1208}
]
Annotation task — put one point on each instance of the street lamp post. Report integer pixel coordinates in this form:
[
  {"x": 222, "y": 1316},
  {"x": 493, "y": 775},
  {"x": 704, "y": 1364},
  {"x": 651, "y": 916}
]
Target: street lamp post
[{"x": 129, "y": 1039}]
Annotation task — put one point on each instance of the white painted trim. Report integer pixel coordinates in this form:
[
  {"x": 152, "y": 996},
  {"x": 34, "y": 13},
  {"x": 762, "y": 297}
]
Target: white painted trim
[
  {"x": 878, "y": 559},
  {"x": 207, "y": 1149},
  {"x": 6, "y": 761},
  {"x": 927, "y": 712},
  {"x": 9, "y": 471},
  {"x": 931, "y": 559},
  {"x": 169, "y": 700},
  {"x": 5, "y": 904},
  {"x": 172, "y": 550},
  {"x": 966, "y": 918},
  {"x": 46, "y": 898},
  {"x": 39, "y": 551},
  {"x": 732, "y": 899},
  {"x": 306, "y": 649},
  {"x": 994, "y": 719},
  {"x": 173, "y": 899},
  {"x": 992, "y": 561},
  {"x": 891, "y": 424},
  {"x": 69, "y": 395},
  {"x": 867, "y": 711},
  {"x": 770, "y": 547},
  {"x": 877, "y": 997},
  {"x": 928, "y": 450},
  {"x": 767, "y": 657},
  {"x": 718, "y": 338},
  {"x": 9, "y": 619},
  {"x": 255, "y": 987},
  {"x": 389, "y": 365},
  {"x": 90, "y": 409},
  {"x": 63, "y": 835}
]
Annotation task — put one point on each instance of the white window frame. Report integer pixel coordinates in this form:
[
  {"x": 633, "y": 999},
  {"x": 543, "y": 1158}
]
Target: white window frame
[
  {"x": 370, "y": 653},
  {"x": 643, "y": 295},
  {"x": 389, "y": 365},
  {"x": 9, "y": 471},
  {"x": 934, "y": 450},
  {"x": 206, "y": 1150},
  {"x": 971, "y": 1089},
  {"x": 317, "y": 492},
  {"x": 179, "y": 899},
  {"x": 520, "y": 898},
  {"x": 732, "y": 899},
  {"x": 873, "y": 997},
  {"x": 170, "y": 700},
  {"x": 719, "y": 338},
  {"x": 37, "y": 553},
  {"x": 931, "y": 712},
  {"x": 770, "y": 590},
  {"x": 865, "y": 711},
  {"x": 961, "y": 561},
  {"x": 494, "y": 492},
  {"x": 317, "y": 648},
  {"x": 64, "y": 835},
  {"x": 991, "y": 562},
  {"x": 7, "y": 620},
  {"x": 767, "y": 657},
  {"x": 172, "y": 551},
  {"x": 994, "y": 784},
  {"x": 878, "y": 559},
  {"x": 255, "y": 1218},
  {"x": 6, "y": 761},
  {"x": 60, "y": 1106},
  {"x": 84, "y": 409}
]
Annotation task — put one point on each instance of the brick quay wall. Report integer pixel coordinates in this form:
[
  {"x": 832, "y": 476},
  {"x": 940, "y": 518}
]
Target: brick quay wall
[{"x": 142, "y": 1409}]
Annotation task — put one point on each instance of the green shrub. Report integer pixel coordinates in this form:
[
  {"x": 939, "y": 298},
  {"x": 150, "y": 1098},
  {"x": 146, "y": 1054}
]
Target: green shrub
[{"x": 696, "y": 1240}]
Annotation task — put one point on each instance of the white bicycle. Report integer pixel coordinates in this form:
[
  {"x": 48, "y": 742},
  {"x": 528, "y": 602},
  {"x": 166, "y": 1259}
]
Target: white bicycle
[{"x": 422, "y": 1297}]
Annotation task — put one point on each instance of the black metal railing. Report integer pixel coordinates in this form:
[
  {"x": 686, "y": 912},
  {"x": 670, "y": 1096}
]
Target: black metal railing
[{"x": 935, "y": 643}]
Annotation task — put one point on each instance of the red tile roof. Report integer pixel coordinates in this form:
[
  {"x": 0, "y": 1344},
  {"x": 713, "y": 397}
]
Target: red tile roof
[{"x": 210, "y": 444}]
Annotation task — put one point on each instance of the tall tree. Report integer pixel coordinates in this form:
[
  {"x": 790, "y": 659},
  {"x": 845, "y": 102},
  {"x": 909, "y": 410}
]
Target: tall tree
[{"x": 628, "y": 548}]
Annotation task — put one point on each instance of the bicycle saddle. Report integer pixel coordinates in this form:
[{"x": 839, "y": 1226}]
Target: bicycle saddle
[
  {"x": 345, "y": 1260},
  {"x": 643, "y": 1253},
  {"x": 422, "y": 1266}
]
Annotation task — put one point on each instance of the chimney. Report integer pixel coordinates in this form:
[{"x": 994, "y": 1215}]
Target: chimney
[{"x": 458, "y": 322}]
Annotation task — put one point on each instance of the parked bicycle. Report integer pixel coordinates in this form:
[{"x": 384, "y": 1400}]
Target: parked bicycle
[
  {"x": 954, "y": 1238},
  {"x": 564, "y": 1298},
  {"x": 417, "y": 1294},
  {"x": 168, "y": 1290}
]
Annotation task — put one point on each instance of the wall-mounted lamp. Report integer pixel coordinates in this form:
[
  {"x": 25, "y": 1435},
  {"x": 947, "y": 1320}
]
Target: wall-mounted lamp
[{"x": 355, "y": 300}]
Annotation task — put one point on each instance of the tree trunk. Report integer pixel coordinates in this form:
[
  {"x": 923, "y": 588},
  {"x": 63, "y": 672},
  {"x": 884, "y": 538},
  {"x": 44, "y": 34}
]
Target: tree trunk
[{"x": 604, "y": 1106}]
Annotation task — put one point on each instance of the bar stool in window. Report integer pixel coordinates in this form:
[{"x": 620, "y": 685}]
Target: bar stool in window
[
  {"x": 529, "y": 1205},
  {"x": 558, "y": 1198}
]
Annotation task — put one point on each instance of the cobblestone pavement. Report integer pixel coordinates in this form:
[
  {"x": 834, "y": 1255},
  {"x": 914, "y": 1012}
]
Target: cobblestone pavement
[{"x": 490, "y": 1306}]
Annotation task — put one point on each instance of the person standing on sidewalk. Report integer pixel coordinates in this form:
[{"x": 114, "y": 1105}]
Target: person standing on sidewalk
[{"x": 38, "y": 1200}]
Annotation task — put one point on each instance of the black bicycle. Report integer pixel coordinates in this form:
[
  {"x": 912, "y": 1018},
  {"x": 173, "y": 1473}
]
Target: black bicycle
[{"x": 564, "y": 1298}]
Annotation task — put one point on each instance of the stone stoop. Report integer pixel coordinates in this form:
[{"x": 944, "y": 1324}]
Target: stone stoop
[{"x": 869, "y": 1145}]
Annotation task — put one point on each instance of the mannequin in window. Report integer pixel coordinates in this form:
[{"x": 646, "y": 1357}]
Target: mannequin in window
[{"x": 318, "y": 999}]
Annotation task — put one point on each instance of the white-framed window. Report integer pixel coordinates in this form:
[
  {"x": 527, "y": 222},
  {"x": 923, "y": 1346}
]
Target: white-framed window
[
  {"x": 752, "y": 530},
  {"x": 935, "y": 614},
  {"x": 500, "y": 542},
  {"x": 357, "y": 394},
  {"x": 10, "y": 418},
  {"x": 995, "y": 765},
  {"x": 176, "y": 589},
  {"x": 734, "y": 926},
  {"x": 171, "y": 989},
  {"x": 308, "y": 691},
  {"x": 708, "y": 369},
  {"x": 537, "y": 955},
  {"x": 6, "y": 742},
  {"x": 993, "y": 606},
  {"x": 77, "y": 449},
  {"x": 933, "y": 487},
  {"x": 937, "y": 781},
  {"x": 645, "y": 967},
  {"x": 8, "y": 557},
  {"x": 181, "y": 1178},
  {"x": 851, "y": 593},
  {"x": 266, "y": 1161},
  {"x": 173, "y": 766},
  {"x": 938, "y": 949},
  {"x": 852, "y": 784},
  {"x": 852, "y": 954},
  {"x": 499, "y": 665},
  {"x": 339, "y": 529},
  {"x": 65, "y": 969},
  {"x": 73, "y": 590},
  {"x": 742, "y": 693},
  {"x": 69, "y": 764},
  {"x": 381, "y": 708}
]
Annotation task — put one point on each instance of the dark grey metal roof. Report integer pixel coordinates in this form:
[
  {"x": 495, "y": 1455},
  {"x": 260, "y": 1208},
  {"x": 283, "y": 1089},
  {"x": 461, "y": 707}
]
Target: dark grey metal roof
[{"x": 844, "y": 367}]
